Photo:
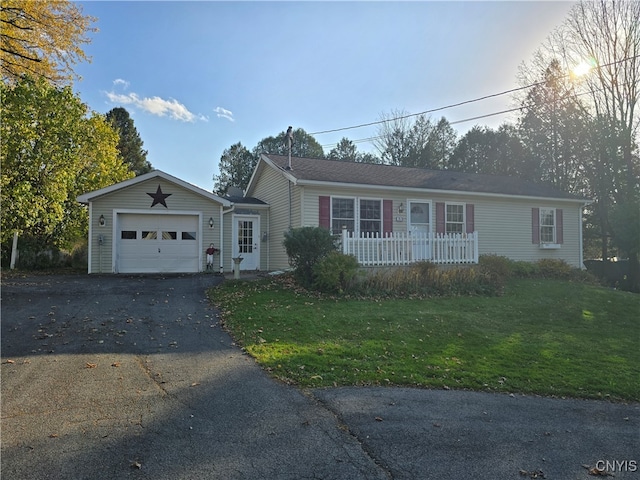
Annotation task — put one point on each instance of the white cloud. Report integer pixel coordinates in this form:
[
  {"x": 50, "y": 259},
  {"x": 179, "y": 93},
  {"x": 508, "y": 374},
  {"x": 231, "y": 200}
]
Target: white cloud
[
  {"x": 224, "y": 113},
  {"x": 120, "y": 82},
  {"x": 157, "y": 106}
]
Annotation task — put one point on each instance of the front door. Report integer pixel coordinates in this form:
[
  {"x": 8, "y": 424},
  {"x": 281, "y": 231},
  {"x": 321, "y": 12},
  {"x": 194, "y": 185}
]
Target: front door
[
  {"x": 246, "y": 241},
  {"x": 420, "y": 227}
]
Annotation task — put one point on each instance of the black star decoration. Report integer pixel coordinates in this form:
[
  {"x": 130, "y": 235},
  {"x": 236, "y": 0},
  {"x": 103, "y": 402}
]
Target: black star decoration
[{"x": 159, "y": 197}]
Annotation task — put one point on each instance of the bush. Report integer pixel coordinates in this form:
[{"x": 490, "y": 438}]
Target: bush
[
  {"x": 335, "y": 272},
  {"x": 426, "y": 279},
  {"x": 305, "y": 247},
  {"x": 553, "y": 268},
  {"x": 495, "y": 266}
]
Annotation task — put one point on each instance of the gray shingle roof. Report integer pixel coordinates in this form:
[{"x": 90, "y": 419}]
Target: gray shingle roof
[{"x": 322, "y": 170}]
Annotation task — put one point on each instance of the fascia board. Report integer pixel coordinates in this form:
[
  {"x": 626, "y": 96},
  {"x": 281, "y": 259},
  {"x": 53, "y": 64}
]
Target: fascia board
[
  {"x": 88, "y": 197},
  {"x": 360, "y": 186}
]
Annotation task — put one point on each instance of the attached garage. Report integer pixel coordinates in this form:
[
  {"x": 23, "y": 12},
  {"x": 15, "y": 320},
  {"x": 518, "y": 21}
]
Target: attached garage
[{"x": 154, "y": 223}]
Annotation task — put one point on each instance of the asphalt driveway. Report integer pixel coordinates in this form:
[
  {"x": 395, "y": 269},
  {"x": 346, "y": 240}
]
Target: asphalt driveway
[{"x": 110, "y": 377}]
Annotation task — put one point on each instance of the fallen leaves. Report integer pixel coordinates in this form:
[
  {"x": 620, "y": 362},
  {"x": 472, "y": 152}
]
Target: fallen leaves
[
  {"x": 598, "y": 472},
  {"x": 91, "y": 365},
  {"x": 532, "y": 474}
]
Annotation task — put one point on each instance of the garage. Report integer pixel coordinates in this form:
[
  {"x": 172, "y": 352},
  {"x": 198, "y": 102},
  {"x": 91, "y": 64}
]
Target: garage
[
  {"x": 157, "y": 243},
  {"x": 154, "y": 223}
]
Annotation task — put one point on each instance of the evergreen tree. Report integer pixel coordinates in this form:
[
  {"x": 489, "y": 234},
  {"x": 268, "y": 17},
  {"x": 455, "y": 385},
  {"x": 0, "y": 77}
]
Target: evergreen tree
[{"x": 129, "y": 143}]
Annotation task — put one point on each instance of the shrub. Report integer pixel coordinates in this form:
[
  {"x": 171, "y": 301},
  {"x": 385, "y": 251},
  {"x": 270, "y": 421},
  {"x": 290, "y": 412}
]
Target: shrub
[
  {"x": 524, "y": 269},
  {"x": 426, "y": 279},
  {"x": 495, "y": 266},
  {"x": 553, "y": 268},
  {"x": 305, "y": 247},
  {"x": 335, "y": 272}
]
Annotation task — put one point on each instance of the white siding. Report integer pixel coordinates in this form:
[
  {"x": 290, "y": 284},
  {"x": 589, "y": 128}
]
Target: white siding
[
  {"x": 273, "y": 189},
  {"x": 503, "y": 224}
]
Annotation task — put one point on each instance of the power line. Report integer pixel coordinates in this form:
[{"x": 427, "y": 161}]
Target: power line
[
  {"x": 378, "y": 122},
  {"x": 502, "y": 112}
]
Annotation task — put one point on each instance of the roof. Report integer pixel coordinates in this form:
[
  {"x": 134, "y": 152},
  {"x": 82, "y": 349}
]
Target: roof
[
  {"x": 90, "y": 196},
  {"x": 319, "y": 171},
  {"x": 240, "y": 200}
]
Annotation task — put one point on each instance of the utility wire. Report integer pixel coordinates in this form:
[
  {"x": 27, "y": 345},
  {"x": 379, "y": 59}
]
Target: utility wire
[
  {"x": 510, "y": 110},
  {"x": 378, "y": 122}
]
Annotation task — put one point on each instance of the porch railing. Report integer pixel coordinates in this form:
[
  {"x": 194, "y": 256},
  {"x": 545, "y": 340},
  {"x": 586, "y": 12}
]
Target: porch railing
[{"x": 404, "y": 248}]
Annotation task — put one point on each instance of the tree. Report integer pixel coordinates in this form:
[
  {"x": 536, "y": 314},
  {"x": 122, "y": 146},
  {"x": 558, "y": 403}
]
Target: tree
[
  {"x": 52, "y": 150},
  {"x": 554, "y": 131},
  {"x": 347, "y": 151},
  {"x": 420, "y": 143},
  {"x": 304, "y": 145},
  {"x": 606, "y": 35},
  {"x": 42, "y": 39},
  {"x": 236, "y": 166},
  {"x": 129, "y": 142}
]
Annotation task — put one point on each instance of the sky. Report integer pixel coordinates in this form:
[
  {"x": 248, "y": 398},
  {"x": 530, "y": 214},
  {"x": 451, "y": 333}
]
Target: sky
[{"x": 199, "y": 76}]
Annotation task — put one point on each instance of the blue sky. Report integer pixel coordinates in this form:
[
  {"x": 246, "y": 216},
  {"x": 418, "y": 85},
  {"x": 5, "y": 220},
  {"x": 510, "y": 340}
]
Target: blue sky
[{"x": 199, "y": 76}]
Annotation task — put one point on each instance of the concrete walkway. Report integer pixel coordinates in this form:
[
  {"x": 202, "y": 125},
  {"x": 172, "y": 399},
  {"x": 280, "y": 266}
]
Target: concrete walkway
[{"x": 110, "y": 377}]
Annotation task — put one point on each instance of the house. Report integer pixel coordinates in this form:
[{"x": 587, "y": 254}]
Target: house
[
  {"x": 442, "y": 216},
  {"x": 385, "y": 215}
]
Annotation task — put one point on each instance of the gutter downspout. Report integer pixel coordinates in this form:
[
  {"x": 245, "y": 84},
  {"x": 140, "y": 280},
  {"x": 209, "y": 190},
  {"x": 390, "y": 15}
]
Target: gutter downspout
[{"x": 223, "y": 212}]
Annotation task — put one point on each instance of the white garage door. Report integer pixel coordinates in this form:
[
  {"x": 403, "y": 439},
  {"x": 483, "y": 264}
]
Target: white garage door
[{"x": 157, "y": 243}]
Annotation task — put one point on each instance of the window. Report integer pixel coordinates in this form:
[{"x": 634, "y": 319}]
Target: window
[
  {"x": 547, "y": 225},
  {"x": 149, "y": 235},
  {"x": 342, "y": 214},
  {"x": 169, "y": 235},
  {"x": 128, "y": 235},
  {"x": 454, "y": 218},
  {"x": 370, "y": 217},
  {"x": 188, "y": 235}
]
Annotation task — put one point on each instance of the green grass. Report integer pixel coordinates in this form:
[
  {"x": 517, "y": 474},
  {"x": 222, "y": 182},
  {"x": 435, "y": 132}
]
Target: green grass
[{"x": 547, "y": 337}]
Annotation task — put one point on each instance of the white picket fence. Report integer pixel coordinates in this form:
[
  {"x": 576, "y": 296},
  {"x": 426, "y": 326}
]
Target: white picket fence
[{"x": 404, "y": 248}]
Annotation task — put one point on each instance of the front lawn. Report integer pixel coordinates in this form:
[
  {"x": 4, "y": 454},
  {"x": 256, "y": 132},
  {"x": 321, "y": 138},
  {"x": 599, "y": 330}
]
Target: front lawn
[{"x": 547, "y": 337}]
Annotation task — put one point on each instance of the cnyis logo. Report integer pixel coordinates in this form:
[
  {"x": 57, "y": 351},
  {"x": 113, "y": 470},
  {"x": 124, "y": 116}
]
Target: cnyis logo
[{"x": 617, "y": 465}]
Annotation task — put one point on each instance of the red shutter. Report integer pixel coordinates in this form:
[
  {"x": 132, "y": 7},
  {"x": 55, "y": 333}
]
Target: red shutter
[
  {"x": 470, "y": 220},
  {"x": 324, "y": 217},
  {"x": 387, "y": 217},
  {"x": 439, "y": 217},
  {"x": 559, "y": 235},
  {"x": 535, "y": 225}
]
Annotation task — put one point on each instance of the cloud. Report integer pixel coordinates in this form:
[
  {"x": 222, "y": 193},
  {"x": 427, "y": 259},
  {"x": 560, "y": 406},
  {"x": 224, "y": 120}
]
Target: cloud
[
  {"x": 120, "y": 82},
  {"x": 224, "y": 113},
  {"x": 156, "y": 106}
]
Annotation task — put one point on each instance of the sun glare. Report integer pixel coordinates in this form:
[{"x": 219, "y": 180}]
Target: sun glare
[{"x": 583, "y": 68}]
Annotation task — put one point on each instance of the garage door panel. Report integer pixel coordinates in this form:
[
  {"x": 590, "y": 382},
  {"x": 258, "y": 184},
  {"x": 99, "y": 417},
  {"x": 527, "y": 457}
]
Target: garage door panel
[{"x": 157, "y": 243}]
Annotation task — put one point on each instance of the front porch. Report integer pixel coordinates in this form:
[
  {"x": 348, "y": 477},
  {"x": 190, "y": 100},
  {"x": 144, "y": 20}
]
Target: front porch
[{"x": 404, "y": 248}]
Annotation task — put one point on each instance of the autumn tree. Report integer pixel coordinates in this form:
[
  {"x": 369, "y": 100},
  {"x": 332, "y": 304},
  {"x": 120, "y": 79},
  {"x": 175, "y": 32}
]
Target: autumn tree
[
  {"x": 236, "y": 166},
  {"x": 53, "y": 149},
  {"x": 129, "y": 141},
  {"x": 42, "y": 39}
]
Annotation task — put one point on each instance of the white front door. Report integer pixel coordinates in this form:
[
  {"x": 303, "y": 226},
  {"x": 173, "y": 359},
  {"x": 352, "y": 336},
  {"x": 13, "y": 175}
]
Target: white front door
[
  {"x": 246, "y": 241},
  {"x": 420, "y": 227}
]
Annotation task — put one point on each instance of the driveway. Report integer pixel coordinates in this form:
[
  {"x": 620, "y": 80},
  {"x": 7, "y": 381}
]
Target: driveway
[{"x": 110, "y": 377}]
